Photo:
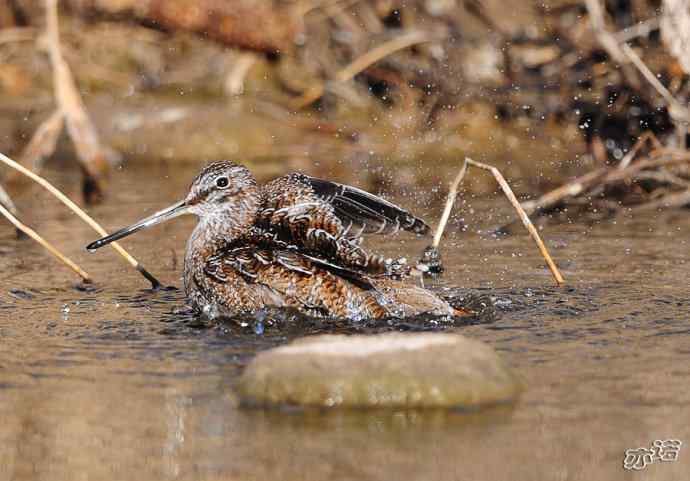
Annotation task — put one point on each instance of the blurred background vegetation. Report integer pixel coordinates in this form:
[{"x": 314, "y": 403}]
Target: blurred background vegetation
[{"x": 384, "y": 93}]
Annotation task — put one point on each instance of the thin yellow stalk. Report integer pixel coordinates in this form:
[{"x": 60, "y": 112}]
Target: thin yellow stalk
[
  {"x": 452, "y": 194},
  {"x": 513, "y": 200},
  {"x": 34, "y": 235},
  {"x": 83, "y": 215},
  {"x": 6, "y": 200}
]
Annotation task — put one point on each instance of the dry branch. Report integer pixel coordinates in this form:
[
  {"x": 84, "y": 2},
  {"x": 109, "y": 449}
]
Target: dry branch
[
  {"x": 646, "y": 138},
  {"x": 514, "y": 202},
  {"x": 79, "y": 126},
  {"x": 570, "y": 189},
  {"x": 676, "y": 110},
  {"x": 651, "y": 168},
  {"x": 47, "y": 245},
  {"x": 677, "y": 199},
  {"x": 234, "y": 83},
  {"x": 6, "y": 201},
  {"x": 83, "y": 215},
  {"x": 43, "y": 142},
  {"x": 624, "y": 55},
  {"x": 450, "y": 201},
  {"x": 641, "y": 29},
  {"x": 605, "y": 38}
]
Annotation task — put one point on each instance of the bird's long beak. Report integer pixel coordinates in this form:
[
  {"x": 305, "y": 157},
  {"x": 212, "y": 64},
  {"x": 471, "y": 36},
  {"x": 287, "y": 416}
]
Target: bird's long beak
[{"x": 161, "y": 216}]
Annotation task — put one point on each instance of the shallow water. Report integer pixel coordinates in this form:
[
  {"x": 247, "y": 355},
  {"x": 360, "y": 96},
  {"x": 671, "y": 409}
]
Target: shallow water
[{"x": 116, "y": 382}]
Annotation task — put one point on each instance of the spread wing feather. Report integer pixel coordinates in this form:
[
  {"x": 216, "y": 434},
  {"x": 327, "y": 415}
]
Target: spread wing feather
[
  {"x": 327, "y": 220},
  {"x": 371, "y": 213}
]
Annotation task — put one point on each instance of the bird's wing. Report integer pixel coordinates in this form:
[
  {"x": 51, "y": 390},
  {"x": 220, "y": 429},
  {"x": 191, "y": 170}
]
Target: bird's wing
[
  {"x": 263, "y": 253},
  {"x": 364, "y": 211},
  {"x": 328, "y": 219},
  {"x": 295, "y": 278},
  {"x": 358, "y": 212}
]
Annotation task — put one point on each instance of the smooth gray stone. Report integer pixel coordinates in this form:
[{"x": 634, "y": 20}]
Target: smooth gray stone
[{"x": 426, "y": 370}]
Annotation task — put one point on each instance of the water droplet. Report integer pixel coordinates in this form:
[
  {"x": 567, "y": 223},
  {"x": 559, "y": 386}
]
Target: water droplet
[
  {"x": 260, "y": 316},
  {"x": 210, "y": 311},
  {"x": 291, "y": 290},
  {"x": 503, "y": 302},
  {"x": 259, "y": 328}
]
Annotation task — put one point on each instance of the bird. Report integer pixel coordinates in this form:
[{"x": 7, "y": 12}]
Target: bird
[{"x": 294, "y": 243}]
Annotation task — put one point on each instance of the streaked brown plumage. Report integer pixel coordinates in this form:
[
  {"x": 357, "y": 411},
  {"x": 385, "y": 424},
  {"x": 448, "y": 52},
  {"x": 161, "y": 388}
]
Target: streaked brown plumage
[{"x": 295, "y": 242}]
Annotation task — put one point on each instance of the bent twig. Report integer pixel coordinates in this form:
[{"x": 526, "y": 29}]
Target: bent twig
[
  {"x": 6, "y": 200},
  {"x": 513, "y": 200},
  {"x": 452, "y": 194}
]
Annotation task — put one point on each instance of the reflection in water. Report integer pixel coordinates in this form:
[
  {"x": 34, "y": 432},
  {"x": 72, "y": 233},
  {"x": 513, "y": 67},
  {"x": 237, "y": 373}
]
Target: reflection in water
[
  {"x": 118, "y": 382},
  {"x": 174, "y": 443}
]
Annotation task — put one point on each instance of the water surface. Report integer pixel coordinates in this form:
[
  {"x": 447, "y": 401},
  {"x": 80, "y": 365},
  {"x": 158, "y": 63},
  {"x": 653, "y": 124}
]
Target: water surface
[{"x": 117, "y": 382}]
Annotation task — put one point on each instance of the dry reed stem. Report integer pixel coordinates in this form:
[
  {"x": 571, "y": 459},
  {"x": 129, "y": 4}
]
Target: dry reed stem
[
  {"x": 513, "y": 200},
  {"x": 362, "y": 63},
  {"x": 641, "y": 29},
  {"x": 43, "y": 142},
  {"x": 570, "y": 189},
  {"x": 6, "y": 200},
  {"x": 79, "y": 125},
  {"x": 49, "y": 247},
  {"x": 234, "y": 82},
  {"x": 83, "y": 215},
  {"x": 41, "y": 146},
  {"x": 452, "y": 194},
  {"x": 646, "y": 137},
  {"x": 676, "y": 199},
  {"x": 665, "y": 160},
  {"x": 606, "y": 38},
  {"x": 677, "y": 110},
  {"x": 603, "y": 176},
  {"x": 624, "y": 55}
]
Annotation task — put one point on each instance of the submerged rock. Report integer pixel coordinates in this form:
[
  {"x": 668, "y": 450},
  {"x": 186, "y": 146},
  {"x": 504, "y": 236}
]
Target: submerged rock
[{"x": 426, "y": 370}]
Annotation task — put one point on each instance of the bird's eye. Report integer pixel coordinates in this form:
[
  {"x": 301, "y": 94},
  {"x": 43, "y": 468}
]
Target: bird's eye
[{"x": 222, "y": 182}]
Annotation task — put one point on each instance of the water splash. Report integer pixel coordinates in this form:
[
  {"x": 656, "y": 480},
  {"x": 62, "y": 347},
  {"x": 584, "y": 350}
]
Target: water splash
[
  {"x": 353, "y": 309},
  {"x": 210, "y": 311},
  {"x": 260, "y": 316}
]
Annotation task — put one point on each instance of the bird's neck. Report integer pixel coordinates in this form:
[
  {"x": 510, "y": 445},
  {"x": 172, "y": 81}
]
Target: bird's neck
[{"x": 216, "y": 229}]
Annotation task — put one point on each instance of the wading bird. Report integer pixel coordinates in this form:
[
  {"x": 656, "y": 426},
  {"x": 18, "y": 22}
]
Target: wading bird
[{"x": 294, "y": 242}]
